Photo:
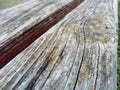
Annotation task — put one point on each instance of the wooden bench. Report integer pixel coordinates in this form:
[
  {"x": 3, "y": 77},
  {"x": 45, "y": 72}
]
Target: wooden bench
[
  {"x": 23, "y": 24},
  {"x": 78, "y": 52}
]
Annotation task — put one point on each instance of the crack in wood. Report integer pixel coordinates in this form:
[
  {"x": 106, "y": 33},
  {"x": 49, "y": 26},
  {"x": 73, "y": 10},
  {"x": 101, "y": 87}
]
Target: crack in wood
[
  {"x": 98, "y": 62},
  {"x": 82, "y": 55}
]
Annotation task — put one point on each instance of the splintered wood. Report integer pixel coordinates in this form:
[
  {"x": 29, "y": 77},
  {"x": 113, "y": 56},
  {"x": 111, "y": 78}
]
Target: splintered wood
[{"x": 78, "y": 53}]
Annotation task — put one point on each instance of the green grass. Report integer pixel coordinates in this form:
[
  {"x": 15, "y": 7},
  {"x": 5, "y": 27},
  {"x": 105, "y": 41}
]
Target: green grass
[
  {"x": 10, "y": 3},
  {"x": 118, "y": 68}
]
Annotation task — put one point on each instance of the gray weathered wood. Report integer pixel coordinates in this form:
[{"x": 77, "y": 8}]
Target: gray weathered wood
[
  {"x": 18, "y": 31},
  {"x": 78, "y": 53},
  {"x": 29, "y": 14}
]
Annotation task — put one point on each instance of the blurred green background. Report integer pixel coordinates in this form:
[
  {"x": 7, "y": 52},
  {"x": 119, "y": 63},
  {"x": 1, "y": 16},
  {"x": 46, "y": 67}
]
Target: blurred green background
[{"x": 9, "y": 3}]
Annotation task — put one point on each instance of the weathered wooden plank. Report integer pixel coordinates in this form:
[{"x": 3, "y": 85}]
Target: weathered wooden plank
[
  {"x": 78, "y": 53},
  {"x": 17, "y": 31},
  {"x": 99, "y": 72}
]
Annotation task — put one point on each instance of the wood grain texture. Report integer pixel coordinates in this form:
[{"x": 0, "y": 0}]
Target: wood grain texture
[
  {"x": 78, "y": 53},
  {"x": 19, "y": 31}
]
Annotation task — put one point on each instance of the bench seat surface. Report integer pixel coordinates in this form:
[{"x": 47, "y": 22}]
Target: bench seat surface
[
  {"x": 78, "y": 53},
  {"x": 23, "y": 24},
  {"x": 16, "y": 20}
]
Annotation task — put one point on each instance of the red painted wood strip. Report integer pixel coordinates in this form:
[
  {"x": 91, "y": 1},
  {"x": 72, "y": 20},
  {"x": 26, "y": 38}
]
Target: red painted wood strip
[{"x": 14, "y": 47}]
